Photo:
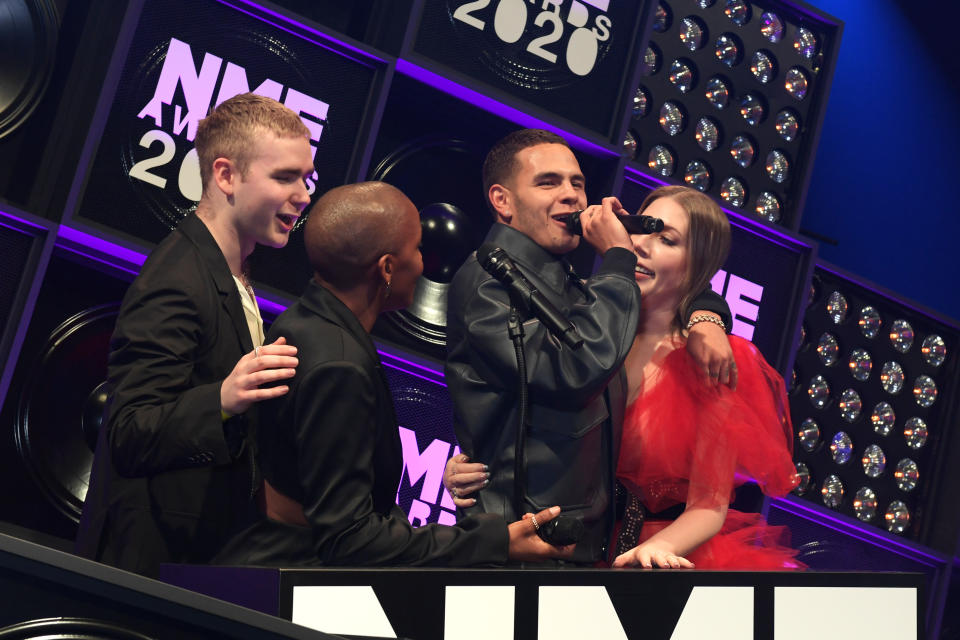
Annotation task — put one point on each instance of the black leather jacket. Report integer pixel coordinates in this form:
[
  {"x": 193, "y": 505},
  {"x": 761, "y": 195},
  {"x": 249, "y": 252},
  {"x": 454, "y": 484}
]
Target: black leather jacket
[{"x": 571, "y": 447}]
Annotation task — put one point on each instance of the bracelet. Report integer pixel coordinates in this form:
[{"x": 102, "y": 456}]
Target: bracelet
[{"x": 705, "y": 318}]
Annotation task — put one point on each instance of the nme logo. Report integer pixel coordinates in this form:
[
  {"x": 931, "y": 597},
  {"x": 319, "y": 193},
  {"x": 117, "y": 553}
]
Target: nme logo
[
  {"x": 198, "y": 87},
  {"x": 743, "y": 297},
  {"x": 559, "y": 32},
  {"x": 427, "y": 465}
]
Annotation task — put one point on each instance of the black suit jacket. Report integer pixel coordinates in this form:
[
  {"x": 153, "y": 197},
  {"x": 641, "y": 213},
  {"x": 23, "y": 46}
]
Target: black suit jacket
[
  {"x": 332, "y": 445},
  {"x": 164, "y": 486}
]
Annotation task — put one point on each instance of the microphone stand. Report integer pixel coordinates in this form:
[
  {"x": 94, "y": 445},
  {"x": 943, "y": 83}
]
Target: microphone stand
[{"x": 515, "y": 330}]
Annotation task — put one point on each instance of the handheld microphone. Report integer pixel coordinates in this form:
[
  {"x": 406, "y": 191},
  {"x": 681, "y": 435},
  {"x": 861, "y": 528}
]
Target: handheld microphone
[
  {"x": 633, "y": 224},
  {"x": 561, "y": 531},
  {"x": 498, "y": 264}
]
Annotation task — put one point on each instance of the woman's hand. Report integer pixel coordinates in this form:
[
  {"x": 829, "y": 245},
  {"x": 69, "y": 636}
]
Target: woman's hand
[
  {"x": 652, "y": 553},
  {"x": 463, "y": 478},
  {"x": 526, "y": 545}
]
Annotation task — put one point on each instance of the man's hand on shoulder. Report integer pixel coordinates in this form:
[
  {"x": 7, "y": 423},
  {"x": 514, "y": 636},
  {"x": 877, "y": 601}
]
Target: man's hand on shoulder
[
  {"x": 263, "y": 365},
  {"x": 709, "y": 346}
]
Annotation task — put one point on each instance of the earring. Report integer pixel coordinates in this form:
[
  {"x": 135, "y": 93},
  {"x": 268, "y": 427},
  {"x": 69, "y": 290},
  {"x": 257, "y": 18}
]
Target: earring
[{"x": 386, "y": 292}]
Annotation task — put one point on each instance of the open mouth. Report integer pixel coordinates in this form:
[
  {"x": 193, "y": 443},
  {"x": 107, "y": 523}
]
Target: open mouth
[
  {"x": 287, "y": 220},
  {"x": 644, "y": 271}
]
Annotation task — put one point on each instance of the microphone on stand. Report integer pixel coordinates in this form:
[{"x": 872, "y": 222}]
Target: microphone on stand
[
  {"x": 498, "y": 264},
  {"x": 633, "y": 224}
]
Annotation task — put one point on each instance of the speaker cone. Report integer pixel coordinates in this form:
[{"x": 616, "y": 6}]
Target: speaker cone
[
  {"x": 442, "y": 178},
  {"x": 61, "y": 407},
  {"x": 28, "y": 44}
]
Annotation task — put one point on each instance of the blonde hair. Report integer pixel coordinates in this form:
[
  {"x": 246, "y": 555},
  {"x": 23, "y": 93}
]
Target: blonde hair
[
  {"x": 231, "y": 129},
  {"x": 708, "y": 241}
]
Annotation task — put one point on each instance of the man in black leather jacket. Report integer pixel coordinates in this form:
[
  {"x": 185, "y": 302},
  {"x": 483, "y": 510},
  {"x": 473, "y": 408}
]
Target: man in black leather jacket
[{"x": 577, "y": 396}]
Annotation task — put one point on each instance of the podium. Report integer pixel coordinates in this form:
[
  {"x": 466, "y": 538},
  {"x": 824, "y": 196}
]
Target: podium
[{"x": 555, "y": 604}]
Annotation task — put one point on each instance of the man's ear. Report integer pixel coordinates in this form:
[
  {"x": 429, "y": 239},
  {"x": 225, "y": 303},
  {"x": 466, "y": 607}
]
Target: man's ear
[
  {"x": 499, "y": 197},
  {"x": 225, "y": 175}
]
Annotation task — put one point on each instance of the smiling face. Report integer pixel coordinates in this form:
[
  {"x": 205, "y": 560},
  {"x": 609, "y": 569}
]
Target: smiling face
[
  {"x": 546, "y": 186},
  {"x": 661, "y": 271},
  {"x": 270, "y": 195}
]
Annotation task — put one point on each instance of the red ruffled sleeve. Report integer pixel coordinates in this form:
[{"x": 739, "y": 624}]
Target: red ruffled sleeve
[{"x": 686, "y": 442}]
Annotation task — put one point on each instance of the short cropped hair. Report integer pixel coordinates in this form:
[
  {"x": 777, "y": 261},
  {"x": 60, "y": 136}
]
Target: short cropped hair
[
  {"x": 501, "y": 162},
  {"x": 350, "y": 227},
  {"x": 708, "y": 240},
  {"x": 231, "y": 128}
]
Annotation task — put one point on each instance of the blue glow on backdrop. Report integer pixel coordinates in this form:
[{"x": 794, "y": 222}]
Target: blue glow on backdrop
[{"x": 884, "y": 180}]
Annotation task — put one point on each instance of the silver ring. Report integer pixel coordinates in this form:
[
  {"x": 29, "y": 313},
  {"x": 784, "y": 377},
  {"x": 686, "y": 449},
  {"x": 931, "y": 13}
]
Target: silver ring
[
  {"x": 256, "y": 352},
  {"x": 536, "y": 525},
  {"x": 455, "y": 492},
  {"x": 714, "y": 375}
]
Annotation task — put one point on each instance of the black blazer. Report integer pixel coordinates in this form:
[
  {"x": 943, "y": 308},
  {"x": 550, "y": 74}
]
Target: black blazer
[
  {"x": 164, "y": 486},
  {"x": 332, "y": 444}
]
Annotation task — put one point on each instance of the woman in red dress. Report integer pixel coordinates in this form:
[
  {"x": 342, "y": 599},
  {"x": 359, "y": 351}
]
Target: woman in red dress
[{"x": 686, "y": 445}]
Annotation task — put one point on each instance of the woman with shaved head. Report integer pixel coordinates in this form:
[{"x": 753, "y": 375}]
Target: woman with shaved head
[{"x": 330, "y": 450}]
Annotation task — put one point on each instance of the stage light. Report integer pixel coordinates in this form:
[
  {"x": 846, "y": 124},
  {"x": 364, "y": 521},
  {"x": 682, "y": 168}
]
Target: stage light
[
  {"x": 651, "y": 60},
  {"x": 809, "y": 434},
  {"x": 641, "y": 103},
  {"x": 897, "y": 517},
  {"x": 925, "y": 391},
  {"x": 891, "y": 377},
  {"x": 763, "y": 67},
  {"x": 915, "y": 432},
  {"x": 907, "y": 475},
  {"x": 883, "y": 418},
  {"x": 901, "y": 335},
  {"x": 672, "y": 120},
  {"x": 787, "y": 125},
  {"x": 832, "y": 491},
  {"x": 718, "y": 92},
  {"x": 692, "y": 33},
  {"x": 860, "y": 365},
  {"x": 768, "y": 206},
  {"x": 819, "y": 392},
  {"x": 934, "y": 350},
  {"x": 874, "y": 461},
  {"x": 777, "y": 166},
  {"x": 743, "y": 151},
  {"x": 805, "y": 43},
  {"x": 796, "y": 83},
  {"x": 738, "y": 11},
  {"x": 837, "y": 307},
  {"x": 803, "y": 479},
  {"x": 733, "y": 192},
  {"x": 661, "y": 160},
  {"x": 752, "y": 109},
  {"x": 661, "y": 19},
  {"x": 892, "y": 407},
  {"x": 630, "y": 144},
  {"x": 697, "y": 175},
  {"x": 850, "y": 405},
  {"x": 681, "y": 75},
  {"x": 865, "y": 504},
  {"x": 753, "y": 57},
  {"x": 841, "y": 447},
  {"x": 771, "y": 26},
  {"x": 707, "y": 134},
  {"x": 828, "y": 349},
  {"x": 727, "y": 50},
  {"x": 869, "y": 322}
]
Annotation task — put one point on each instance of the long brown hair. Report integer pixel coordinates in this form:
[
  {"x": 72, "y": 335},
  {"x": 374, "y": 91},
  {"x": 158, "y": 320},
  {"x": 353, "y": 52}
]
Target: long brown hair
[{"x": 708, "y": 241}]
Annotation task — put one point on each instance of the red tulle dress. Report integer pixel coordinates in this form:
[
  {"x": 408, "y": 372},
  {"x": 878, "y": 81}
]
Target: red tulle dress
[{"x": 684, "y": 442}]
